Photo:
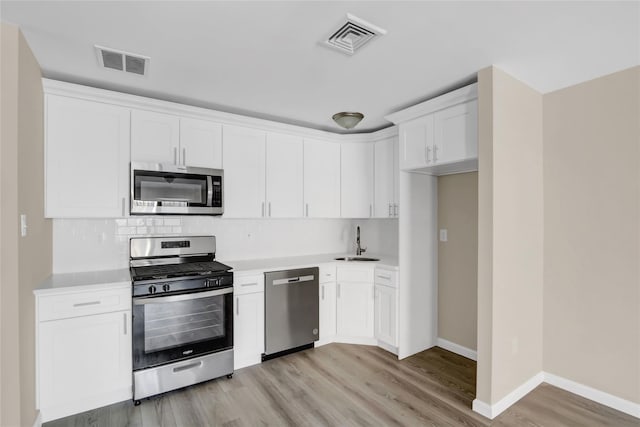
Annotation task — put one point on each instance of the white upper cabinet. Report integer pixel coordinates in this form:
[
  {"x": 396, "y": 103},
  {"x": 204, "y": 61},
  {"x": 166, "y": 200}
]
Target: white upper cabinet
[
  {"x": 440, "y": 136},
  {"x": 356, "y": 170},
  {"x": 456, "y": 133},
  {"x": 244, "y": 167},
  {"x": 155, "y": 137},
  {"x": 321, "y": 179},
  {"x": 284, "y": 180},
  {"x": 86, "y": 159},
  {"x": 200, "y": 143},
  {"x": 165, "y": 138},
  {"x": 386, "y": 177},
  {"x": 416, "y": 140}
]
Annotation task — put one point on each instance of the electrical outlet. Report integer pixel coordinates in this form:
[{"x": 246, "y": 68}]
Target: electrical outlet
[
  {"x": 443, "y": 235},
  {"x": 23, "y": 225}
]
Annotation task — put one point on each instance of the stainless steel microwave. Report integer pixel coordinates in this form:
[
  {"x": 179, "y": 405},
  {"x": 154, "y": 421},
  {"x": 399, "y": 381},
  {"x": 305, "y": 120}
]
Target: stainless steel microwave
[{"x": 176, "y": 190}]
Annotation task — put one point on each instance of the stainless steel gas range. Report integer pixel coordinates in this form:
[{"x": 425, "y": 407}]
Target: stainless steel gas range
[{"x": 182, "y": 314}]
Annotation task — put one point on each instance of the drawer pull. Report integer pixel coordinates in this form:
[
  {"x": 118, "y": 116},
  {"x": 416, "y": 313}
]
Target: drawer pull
[
  {"x": 124, "y": 315},
  {"x": 84, "y": 304},
  {"x": 187, "y": 367},
  {"x": 384, "y": 277},
  {"x": 250, "y": 284}
]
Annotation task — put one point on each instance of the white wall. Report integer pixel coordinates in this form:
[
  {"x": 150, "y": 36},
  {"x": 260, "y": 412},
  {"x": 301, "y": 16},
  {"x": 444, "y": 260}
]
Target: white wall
[{"x": 102, "y": 244}]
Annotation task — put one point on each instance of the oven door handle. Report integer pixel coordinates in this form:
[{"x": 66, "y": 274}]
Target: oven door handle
[{"x": 182, "y": 297}]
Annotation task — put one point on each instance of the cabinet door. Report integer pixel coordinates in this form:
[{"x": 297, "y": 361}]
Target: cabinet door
[
  {"x": 396, "y": 178},
  {"x": 84, "y": 363},
  {"x": 284, "y": 163},
  {"x": 154, "y": 137},
  {"x": 244, "y": 172},
  {"x": 200, "y": 143},
  {"x": 355, "y": 309},
  {"x": 456, "y": 133},
  {"x": 327, "y": 311},
  {"x": 248, "y": 329},
  {"x": 321, "y": 179},
  {"x": 385, "y": 315},
  {"x": 416, "y": 140},
  {"x": 384, "y": 178},
  {"x": 87, "y": 159},
  {"x": 356, "y": 170}
]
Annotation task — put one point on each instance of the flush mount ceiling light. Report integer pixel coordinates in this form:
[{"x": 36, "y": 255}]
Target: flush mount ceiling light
[{"x": 347, "y": 120}]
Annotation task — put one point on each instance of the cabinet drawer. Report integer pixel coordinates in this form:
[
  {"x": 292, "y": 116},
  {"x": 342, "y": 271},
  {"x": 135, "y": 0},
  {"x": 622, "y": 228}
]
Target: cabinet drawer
[
  {"x": 386, "y": 278},
  {"x": 357, "y": 274},
  {"x": 327, "y": 273},
  {"x": 247, "y": 284},
  {"x": 51, "y": 307}
]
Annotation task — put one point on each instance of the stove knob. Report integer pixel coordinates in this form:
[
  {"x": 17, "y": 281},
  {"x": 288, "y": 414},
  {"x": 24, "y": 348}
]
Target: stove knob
[
  {"x": 207, "y": 283},
  {"x": 152, "y": 289},
  {"x": 166, "y": 287}
]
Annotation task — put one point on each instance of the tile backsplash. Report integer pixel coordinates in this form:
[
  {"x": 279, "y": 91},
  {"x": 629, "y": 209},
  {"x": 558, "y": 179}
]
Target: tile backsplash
[{"x": 103, "y": 244}]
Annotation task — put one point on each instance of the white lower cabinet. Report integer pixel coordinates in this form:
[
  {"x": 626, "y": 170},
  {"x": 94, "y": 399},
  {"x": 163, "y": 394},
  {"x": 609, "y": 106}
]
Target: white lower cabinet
[
  {"x": 327, "y": 301},
  {"x": 354, "y": 304},
  {"x": 385, "y": 315},
  {"x": 83, "y": 361},
  {"x": 248, "y": 320}
]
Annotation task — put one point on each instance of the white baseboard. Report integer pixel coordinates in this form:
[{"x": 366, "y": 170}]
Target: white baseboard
[
  {"x": 591, "y": 393},
  {"x": 457, "y": 348},
  {"x": 38, "y": 421},
  {"x": 388, "y": 347},
  {"x": 492, "y": 411}
]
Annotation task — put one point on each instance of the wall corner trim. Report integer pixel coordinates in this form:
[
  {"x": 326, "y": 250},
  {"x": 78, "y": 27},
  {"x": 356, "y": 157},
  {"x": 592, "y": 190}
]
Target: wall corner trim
[
  {"x": 591, "y": 393},
  {"x": 38, "y": 421},
  {"x": 492, "y": 411},
  {"x": 457, "y": 349}
]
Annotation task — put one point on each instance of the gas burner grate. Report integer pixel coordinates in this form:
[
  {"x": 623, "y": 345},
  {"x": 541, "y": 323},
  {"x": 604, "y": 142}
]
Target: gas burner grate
[{"x": 177, "y": 270}]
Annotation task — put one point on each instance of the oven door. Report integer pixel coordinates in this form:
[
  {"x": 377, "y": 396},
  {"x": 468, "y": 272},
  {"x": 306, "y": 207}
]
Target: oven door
[{"x": 177, "y": 327}]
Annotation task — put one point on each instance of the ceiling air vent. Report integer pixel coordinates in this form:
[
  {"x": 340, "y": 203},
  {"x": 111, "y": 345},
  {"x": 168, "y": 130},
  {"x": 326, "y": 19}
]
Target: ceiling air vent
[
  {"x": 353, "y": 34},
  {"x": 122, "y": 61}
]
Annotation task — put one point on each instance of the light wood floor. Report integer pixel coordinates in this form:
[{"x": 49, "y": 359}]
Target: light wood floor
[{"x": 345, "y": 385}]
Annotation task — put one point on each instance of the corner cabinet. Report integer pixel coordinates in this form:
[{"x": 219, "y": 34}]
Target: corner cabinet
[
  {"x": 355, "y": 304},
  {"x": 83, "y": 350},
  {"x": 440, "y": 136},
  {"x": 386, "y": 179},
  {"x": 356, "y": 185},
  {"x": 86, "y": 158}
]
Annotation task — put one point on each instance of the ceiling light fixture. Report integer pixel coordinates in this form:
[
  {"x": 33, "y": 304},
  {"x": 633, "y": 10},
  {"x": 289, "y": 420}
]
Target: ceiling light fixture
[{"x": 347, "y": 120}]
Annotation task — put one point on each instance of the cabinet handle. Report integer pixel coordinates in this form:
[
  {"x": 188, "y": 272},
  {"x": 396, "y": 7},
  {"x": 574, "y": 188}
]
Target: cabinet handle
[
  {"x": 123, "y": 214},
  {"x": 322, "y": 292},
  {"x": 263, "y": 209},
  {"x": 250, "y": 284},
  {"x": 237, "y": 306},
  {"x": 428, "y": 154},
  {"x": 307, "y": 210},
  {"x": 184, "y": 157},
  {"x": 124, "y": 315},
  {"x": 338, "y": 290},
  {"x": 380, "y": 276},
  {"x": 175, "y": 156},
  {"x": 395, "y": 209},
  {"x": 390, "y": 210},
  {"x": 269, "y": 209},
  {"x": 370, "y": 210},
  {"x": 435, "y": 153},
  {"x": 84, "y": 304}
]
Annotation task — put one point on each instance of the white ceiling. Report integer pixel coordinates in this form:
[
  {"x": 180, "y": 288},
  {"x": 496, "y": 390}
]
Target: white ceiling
[{"x": 265, "y": 59}]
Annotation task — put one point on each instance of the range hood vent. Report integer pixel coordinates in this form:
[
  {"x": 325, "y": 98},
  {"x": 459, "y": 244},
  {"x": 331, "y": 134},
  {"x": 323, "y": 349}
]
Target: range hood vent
[
  {"x": 353, "y": 34},
  {"x": 119, "y": 60}
]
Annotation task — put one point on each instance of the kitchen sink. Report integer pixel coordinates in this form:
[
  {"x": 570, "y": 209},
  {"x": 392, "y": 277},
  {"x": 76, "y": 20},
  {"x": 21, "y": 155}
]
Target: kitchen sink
[{"x": 356, "y": 258}]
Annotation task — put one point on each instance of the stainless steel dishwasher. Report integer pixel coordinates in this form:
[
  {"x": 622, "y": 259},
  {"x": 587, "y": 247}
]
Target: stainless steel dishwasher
[{"x": 291, "y": 311}]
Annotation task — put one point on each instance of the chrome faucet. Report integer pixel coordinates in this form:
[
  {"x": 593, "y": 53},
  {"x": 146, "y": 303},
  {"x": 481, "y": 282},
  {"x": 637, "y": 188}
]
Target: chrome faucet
[{"x": 359, "y": 250}]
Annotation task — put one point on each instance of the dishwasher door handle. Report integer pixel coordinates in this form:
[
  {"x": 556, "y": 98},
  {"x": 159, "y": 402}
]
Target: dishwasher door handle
[{"x": 293, "y": 280}]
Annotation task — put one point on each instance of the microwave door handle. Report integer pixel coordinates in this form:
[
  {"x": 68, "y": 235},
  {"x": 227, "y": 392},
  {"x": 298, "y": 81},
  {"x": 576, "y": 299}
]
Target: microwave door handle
[{"x": 209, "y": 190}]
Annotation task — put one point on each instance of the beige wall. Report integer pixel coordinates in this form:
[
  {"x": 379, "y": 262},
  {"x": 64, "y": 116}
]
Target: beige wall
[
  {"x": 458, "y": 259},
  {"x": 28, "y": 259},
  {"x": 592, "y": 234},
  {"x": 514, "y": 286}
]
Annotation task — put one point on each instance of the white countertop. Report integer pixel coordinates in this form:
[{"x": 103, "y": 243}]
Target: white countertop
[
  {"x": 121, "y": 277},
  {"x": 285, "y": 263},
  {"x": 84, "y": 281}
]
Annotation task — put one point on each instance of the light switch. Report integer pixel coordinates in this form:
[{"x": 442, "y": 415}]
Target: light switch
[
  {"x": 23, "y": 225},
  {"x": 443, "y": 235}
]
